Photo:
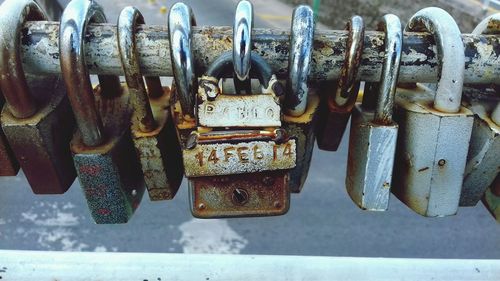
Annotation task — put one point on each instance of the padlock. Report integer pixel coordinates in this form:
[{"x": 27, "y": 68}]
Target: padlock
[
  {"x": 335, "y": 109},
  {"x": 8, "y": 162},
  {"x": 301, "y": 102},
  {"x": 37, "y": 118},
  {"x": 434, "y": 129},
  {"x": 491, "y": 198},
  {"x": 373, "y": 135},
  {"x": 238, "y": 159},
  {"x": 483, "y": 160},
  {"x": 152, "y": 128},
  {"x": 103, "y": 152},
  {"x": 242, "y": 39}
]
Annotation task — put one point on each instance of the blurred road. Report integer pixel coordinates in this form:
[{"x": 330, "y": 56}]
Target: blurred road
[{"x": 322, "y": 219}]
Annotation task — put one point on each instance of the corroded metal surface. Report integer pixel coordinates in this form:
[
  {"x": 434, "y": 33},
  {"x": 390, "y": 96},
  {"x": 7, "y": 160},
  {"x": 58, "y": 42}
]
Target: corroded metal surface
[
  {"x": 302, "y": 129},
  {"x": 109, "y": 174},
  {"x": 419, "y": 62},
  {"x": 159, "y": 152},
  {"x": 255, "y": 194}
]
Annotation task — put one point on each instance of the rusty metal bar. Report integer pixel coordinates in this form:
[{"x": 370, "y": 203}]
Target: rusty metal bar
[{"x": 418, "y": 63}]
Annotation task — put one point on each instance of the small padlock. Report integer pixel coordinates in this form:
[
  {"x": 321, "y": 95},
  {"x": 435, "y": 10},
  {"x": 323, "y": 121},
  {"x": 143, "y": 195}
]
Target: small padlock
[
  {"x": 373, "y": 135},
  {"x": 301, "y": 102},
  {"x": 8, "y": 162},
  {"x": 335, "y": 109},
  {"x": 103, "y": 152},
  {"x": 152, "y": 128},
  {"x": 434, "y": 129},
  {"x": 483, "y": 160},
  {"x": 37, "y": 118},
  {"x": 491, "y": 199}
]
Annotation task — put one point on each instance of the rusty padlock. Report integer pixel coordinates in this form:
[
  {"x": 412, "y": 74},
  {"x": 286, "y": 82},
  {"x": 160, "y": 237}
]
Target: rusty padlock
[
  {"x": 37, "y": 118},
  {"x": 301, "y": 102},
  {"x": 373, "y": 135},
  {"x": 238, "y": 160},
  {"x": 335, "y": 109},
  {"x": 152, "y": 128},
  {"x": 491, "y": 199},
  {"x": 434, "y": 129},
  {"x": 103, "y": 152},
  {"x": 483, "y": 160},
  {"x": 8, "y": 162}
]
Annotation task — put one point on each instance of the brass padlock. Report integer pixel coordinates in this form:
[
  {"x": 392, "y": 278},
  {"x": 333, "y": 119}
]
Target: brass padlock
[
  {"x": 103, "y": 152},
  {"x": 483, "y": 160},
  {"x": 37, "y": 118},
  {"x": 152, "y": 128},
  {"x": 301, "y": 103},
  {"x": 8, "y": 162},
  {"x": 434, "y": 129},
  {"x": 335, "y": 109},
  {"x": 372, "y": 141}
]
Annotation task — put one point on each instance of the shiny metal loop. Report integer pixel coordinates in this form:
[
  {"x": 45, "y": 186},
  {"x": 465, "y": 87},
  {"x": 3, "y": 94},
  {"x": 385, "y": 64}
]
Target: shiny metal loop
[
  {"x": 391, "y": 25},
  {"x": 490, "y": 26},
  {"x": 128, "y": 20},
  {"x": 74, "y": 21},
  {"x": 223, "y": 66},
  {"x": 242, "y": 40},
  {"x": 299, "y": 62},
  {"x": 180, "y": 21},
  {"x": 13, "y": 14},
  {"x": 348, "y": 87},
  {"x": 450, "y": 50}
]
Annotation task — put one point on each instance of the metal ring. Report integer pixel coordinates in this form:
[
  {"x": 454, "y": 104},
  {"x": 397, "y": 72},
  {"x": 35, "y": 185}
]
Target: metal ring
[
  {"x": 299, "y": 62},
  {"x": 13, "y": 14},
  {"x": 450, "y": 51},
  {"x": 348, "y": 87},
  {"x": 74, "y": 21},
  {"x": 489, "y": 26},
  {"x": 128, "y": 20},
  {"x": 242, "y": 40},
  {"x": 391, "y": 25},
  {"x": 180, "y": 21}
]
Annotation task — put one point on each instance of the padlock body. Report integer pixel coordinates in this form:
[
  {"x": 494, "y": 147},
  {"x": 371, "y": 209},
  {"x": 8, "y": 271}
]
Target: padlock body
[
  {"x": 483, "y": 160},
  {"x": 254, "y": 194},
  {"x": 302, "y": 130},
  {"x": 159, "y": 152},
  {"x": 491, "y": 199},
  {"x": 109, "y": 174},
  {"x": 431, "y": 154},
  {"x": 330, "y": 127},
  {"x": 41, "y": 142},
  {"x": 8, "y": 163},
  {"x": 370, "y": 160}
]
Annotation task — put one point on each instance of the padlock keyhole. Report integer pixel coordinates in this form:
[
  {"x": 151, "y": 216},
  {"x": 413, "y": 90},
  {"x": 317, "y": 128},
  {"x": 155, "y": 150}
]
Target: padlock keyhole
[{"x": 240, "y": 196}]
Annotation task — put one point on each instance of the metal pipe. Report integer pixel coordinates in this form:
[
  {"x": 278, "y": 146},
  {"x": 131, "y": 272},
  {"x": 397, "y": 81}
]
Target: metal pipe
[{"x": 418, "y": 63}]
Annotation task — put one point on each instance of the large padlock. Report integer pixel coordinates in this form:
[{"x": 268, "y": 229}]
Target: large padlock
[
  {"x": 434, "y": 129},
  {"x": 335, "y": 109},
  {"x": 152, "y": 128},
  {"x": 8, "y": 162},
  {"x": 491, "y": 198},
  {"x": 373, "y": 135},
  {"x": 483, "y": 160},
  {"x": 103, "y": 152},
  {"x": 37, "y": 118},
  {"x": 301, "y": 103}
]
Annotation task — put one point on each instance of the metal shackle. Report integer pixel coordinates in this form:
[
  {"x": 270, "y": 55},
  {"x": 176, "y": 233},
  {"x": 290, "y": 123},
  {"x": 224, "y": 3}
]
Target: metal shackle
[
  {"x": 391, "y": 25},
  {"x": 74, "y": 21},
  {"x": 490, "y": 26},
  {"x": 180, "y": 21},
  {"x": 299, "y": 62},
  {"x": 450, "y": 51},
  {"x": 242, "y": 40},
  {"x": 13, "y": 14},
  {"x": 347, "y": 89},
  {"x": 128, "y": 20}
]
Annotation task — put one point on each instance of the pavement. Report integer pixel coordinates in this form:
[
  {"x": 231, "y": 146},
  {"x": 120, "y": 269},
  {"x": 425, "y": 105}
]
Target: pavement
[{"x": 322, "y": 219}]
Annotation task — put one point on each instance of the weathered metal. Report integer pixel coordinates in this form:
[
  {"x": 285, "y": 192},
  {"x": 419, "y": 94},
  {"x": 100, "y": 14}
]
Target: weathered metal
[
  {"x": 254, "y": 194},
  {"x": 38, "y": 124},
  {"x": 483, "y": 160},
  {"x": 372, "y": 140},
  {"x": 491, "y": 199},
  {"x": 419, "y": 62},
  {"x": 153, "y": 132},
  {"x": 335, "y": 109},
  {"x": 106, "y": 164}
]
